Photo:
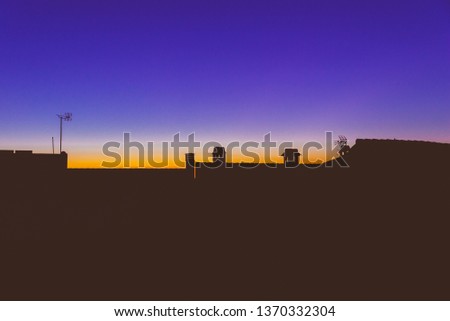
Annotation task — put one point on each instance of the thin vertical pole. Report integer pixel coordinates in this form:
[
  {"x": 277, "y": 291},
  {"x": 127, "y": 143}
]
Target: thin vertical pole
[
  {"x": 53, "y": 144},
  {"x": 60, "y": 135}
]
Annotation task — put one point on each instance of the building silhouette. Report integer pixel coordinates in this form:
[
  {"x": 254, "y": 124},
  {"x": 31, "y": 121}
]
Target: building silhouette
[
  {"x": 291, "y": 157},
  {"x": 190, "y": 160},
  {"x": 219, "y": 155},
  {"x": 26, "y": 160}
]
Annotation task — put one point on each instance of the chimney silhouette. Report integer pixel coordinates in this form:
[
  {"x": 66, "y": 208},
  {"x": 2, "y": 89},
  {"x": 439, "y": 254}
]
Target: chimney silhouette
[
  {"x": 219, "y": 156},
  {"x": 190, "y": 160},
  {"x": 291, "y": 157}
]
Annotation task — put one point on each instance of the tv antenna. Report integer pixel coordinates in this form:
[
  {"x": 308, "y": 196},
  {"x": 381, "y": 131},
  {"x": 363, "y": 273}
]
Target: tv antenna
[
  {"x": 65, "y": 117},
  {"x": 342, "y": 142}
]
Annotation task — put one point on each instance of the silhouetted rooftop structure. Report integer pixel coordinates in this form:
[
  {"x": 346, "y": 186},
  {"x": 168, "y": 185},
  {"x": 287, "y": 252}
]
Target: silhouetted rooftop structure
[
  {"x": 23, "y": 160},
  {"x": 219, "y": 154},
  {"x": 393, "y": 152},
  {"x": 190, "y": 160},
  {"x": 291, "y": 157},
  {"x": 383, "y": 221}
]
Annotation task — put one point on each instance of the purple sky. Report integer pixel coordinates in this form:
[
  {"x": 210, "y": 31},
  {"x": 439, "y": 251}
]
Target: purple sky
[{"x": 226, "y": 70}]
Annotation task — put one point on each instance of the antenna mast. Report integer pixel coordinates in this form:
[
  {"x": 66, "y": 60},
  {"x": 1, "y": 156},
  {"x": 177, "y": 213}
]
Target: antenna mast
[
  {"x": 65, "y": 117},
  {"x": 343, "y": 145}
]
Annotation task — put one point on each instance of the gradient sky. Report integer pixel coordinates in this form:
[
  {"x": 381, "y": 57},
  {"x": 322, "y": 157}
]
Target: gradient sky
[{"x": 226, "y": 70}]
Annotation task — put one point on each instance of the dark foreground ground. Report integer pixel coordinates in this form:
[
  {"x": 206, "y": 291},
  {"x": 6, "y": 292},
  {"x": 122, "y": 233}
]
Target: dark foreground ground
[{"x": 364, "y": 233}]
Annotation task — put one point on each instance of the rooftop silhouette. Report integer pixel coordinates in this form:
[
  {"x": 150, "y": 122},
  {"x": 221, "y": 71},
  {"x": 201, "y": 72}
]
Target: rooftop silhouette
[
  {"x": 376, "y": 230},
  {"x": 26, "y": 160}
]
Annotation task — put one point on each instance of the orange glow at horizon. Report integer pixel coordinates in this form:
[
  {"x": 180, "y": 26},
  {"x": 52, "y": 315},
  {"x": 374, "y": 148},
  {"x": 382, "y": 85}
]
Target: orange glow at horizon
[{"x": 95, "y": 160}]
